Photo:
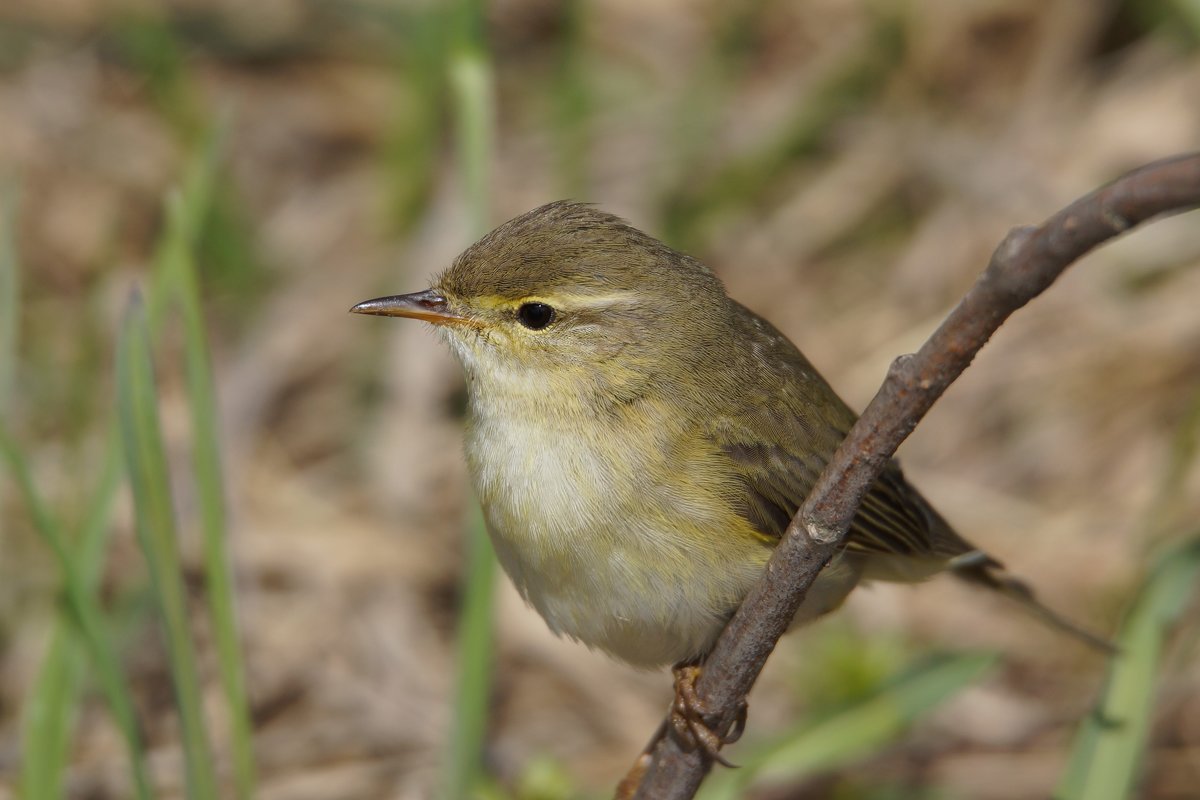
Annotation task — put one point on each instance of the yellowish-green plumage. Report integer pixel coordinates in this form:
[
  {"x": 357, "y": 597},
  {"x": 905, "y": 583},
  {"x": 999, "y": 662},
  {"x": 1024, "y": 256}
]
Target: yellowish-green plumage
[{"x": 639, "y": 454}]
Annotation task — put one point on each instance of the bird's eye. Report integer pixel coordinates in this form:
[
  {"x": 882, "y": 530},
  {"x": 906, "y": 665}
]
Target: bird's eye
[{"x": 535, "y": 316}]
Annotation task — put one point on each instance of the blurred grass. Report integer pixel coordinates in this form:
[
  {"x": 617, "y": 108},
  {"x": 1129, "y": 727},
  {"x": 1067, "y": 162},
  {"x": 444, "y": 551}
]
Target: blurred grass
[
  {"x": 409, "y": 154},
  {"x": 1110, "y": 748},
  {"x": 148, "y": 42},
  {"x": 1168, "y": 509},
  {"x": 464, "y": 768},
  {"x": 185, "y": 214},
  {"x": 697, "y": 112},
  {"x": 10, "y": 290},
  {"x": 744, "y": 179},
  {"x": 572, "y": 100},
  {"x": 842, "y": 666},
  {"x": 471, "y": 84},
  {"x": 541, "y": 779},
  {"x": 1179, "y": 19},
  {"x": 146, "y": 462},
  {"x": 79, "y": 636},
  {"x": 52, "y": 705},
  {"x": 851, "y": 733},
  {"x": 145, "y": 41}
]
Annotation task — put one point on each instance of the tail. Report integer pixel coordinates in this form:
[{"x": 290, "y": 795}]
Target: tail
[{"x": 979, "y": 568}]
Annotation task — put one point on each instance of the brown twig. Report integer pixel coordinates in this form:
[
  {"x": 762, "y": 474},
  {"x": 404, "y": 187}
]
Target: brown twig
[{"x": 1024, "y": 265}]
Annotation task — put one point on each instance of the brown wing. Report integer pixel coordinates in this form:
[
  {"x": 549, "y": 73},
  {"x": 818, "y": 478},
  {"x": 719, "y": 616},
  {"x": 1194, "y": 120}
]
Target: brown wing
[
  {"x": 780, "y": 439},
  {"x": 893, "y": 520}
]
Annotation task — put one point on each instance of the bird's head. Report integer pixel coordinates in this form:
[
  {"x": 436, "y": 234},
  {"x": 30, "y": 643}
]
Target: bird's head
[{"x": 566, "y": 293}]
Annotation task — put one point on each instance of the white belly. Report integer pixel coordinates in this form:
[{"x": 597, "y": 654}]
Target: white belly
[{"x": 643, "y": 591}]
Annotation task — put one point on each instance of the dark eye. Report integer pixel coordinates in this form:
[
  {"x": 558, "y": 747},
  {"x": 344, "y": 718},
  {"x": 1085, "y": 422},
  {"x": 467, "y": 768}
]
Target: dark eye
[{"x": 535, "y": 316}]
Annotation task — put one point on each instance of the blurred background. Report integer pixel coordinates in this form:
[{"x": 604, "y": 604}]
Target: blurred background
[{"x": 846, "y": 167}]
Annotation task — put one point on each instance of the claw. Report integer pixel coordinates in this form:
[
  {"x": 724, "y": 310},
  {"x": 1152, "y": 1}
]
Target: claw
[{"x": 688, "y": 713}]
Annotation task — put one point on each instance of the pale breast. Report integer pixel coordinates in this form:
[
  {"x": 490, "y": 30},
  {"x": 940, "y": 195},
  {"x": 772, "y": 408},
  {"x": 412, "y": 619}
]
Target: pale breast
[
  {"x": 604, "y": 547},
  {"x": 621, "y": 532}
]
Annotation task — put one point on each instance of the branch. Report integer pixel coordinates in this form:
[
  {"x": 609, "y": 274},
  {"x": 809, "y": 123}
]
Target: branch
[{"x": 1023, "y": 265}]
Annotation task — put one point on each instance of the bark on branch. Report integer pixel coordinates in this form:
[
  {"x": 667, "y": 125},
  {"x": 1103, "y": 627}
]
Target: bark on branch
[{"x": 1023, "y": 265}]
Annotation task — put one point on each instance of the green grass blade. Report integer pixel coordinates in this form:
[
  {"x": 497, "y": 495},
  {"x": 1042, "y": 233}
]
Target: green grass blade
[
  {"x": 49, "y": 716},
  {"x": 10, "y": 291},
  {"x": 51, "y": 706},
  {"x": 177, "y": 282},
  {"x": 573, "y": 102},
  {"x": 52, "y": 703},
  {"x": 81, "y": 605},
  {"x": 464, "y": 763},
  {"x": 471, "y": 87},
  {"x": 146, "y": 463},
  {"x": 206, "y": 459},
  {"x": 93, "y": 538},
  {"x": 1108, "y": 751},
  {"x": 855, "y": 732},
  {"x": 187, "y": 210},
  {"x": 200, "y": 184},
  {"x": 414, "y": 140}
]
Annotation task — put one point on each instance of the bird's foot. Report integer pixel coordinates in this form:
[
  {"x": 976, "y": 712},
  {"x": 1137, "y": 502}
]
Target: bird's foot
[{"x": 688, "y": 715}]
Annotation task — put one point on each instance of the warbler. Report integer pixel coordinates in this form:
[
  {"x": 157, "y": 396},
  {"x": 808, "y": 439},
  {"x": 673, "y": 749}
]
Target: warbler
[{"x": 639, "y": 440}]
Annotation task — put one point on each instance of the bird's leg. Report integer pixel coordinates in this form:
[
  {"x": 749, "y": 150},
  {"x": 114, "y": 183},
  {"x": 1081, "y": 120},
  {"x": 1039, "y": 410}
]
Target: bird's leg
[
  {"x": 688, "y": 714},
  {"x": 687, "y": 721}
]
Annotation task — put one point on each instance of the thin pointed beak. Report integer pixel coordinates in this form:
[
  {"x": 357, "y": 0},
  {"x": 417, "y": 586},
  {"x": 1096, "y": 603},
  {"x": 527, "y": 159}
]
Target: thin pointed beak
[{"x": 428, "y": 305}]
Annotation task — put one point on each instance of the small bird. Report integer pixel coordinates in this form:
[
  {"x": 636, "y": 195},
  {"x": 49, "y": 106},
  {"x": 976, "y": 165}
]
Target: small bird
[{"x": 639, "y": 441}]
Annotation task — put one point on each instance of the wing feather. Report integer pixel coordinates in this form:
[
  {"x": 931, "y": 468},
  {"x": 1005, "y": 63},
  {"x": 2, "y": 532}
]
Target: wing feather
[{"x": 780, "y": 440}]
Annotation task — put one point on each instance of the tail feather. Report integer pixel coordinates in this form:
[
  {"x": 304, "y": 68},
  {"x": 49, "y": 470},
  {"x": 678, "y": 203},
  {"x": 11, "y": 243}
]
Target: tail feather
[{"x": 981, "y": 569}]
